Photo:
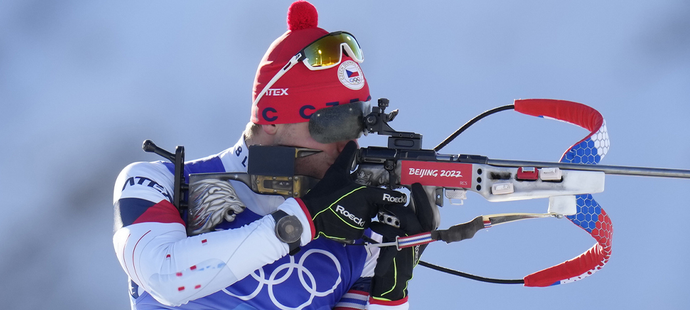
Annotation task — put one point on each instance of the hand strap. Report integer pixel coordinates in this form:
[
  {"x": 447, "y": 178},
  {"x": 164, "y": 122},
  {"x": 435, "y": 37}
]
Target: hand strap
[{"x": 288, "y": 229}]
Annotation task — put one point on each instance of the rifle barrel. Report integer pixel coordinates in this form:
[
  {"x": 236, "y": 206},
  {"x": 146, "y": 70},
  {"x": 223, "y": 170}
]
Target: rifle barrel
[{"x": 620, "y": 170}]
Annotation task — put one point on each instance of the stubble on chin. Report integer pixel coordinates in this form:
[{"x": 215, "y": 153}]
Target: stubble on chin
[{"x": 313, "y": 165}]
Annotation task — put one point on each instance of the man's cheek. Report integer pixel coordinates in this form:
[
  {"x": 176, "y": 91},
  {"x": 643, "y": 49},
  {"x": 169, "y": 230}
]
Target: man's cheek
[{"x": 313, "y": 165}]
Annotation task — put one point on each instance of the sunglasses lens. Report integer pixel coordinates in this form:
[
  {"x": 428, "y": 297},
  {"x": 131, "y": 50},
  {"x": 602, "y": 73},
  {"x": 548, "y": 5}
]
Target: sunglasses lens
[
  {"x": 338, "y": 123},
  {"x": 327, "y": 50}
]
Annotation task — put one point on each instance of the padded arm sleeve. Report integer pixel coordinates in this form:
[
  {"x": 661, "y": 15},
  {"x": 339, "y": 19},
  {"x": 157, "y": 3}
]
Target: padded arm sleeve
[{"x": 154, "y": 250}]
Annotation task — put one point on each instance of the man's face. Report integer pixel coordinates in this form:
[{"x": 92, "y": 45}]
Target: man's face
[{"x": 313, "y": 165}]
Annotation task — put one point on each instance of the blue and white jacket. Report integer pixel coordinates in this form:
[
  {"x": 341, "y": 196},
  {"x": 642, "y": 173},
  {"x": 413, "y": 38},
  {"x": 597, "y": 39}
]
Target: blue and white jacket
[{"x": 239, "y": 265}]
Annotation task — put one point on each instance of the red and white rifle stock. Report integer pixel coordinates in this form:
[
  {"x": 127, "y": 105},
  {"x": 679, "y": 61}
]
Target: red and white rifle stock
[{"x": 568, "y": 183}]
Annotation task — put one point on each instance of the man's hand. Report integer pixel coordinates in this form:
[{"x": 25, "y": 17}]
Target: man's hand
[
  {"x": 393, "y": 267},
  {"x": 340, "y": 208}
]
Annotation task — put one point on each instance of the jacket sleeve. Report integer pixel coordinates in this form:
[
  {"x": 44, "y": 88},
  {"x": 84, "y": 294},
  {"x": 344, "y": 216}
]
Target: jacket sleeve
[{"x": 154, "y": 250}]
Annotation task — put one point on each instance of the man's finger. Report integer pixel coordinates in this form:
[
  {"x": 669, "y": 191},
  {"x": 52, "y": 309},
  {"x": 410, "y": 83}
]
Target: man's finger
[{"x": 425, "y": 213}]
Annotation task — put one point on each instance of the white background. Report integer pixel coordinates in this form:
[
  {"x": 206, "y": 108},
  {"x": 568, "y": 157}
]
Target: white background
[{"x": 83, "y": 83}]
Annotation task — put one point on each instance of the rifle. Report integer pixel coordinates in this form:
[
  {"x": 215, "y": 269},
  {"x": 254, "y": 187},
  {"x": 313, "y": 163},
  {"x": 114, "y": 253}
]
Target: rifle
[{"x": 568, "y": 184}]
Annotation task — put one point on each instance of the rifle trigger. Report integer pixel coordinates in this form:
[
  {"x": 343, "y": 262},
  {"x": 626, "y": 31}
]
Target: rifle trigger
[{"x": 456, "y": 196}]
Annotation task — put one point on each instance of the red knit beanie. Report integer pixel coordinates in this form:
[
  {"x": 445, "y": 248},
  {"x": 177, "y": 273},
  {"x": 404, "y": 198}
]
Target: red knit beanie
[{"x": 300, "y": 91}]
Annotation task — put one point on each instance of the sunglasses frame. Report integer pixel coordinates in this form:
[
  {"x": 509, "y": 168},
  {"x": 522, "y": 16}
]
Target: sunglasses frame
[{"x": 342, "y": 46}]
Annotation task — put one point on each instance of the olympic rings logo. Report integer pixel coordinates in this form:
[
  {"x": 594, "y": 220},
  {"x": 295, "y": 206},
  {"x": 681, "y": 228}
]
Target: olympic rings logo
[
  {"x": 355, "y": 80},
  {"x": 301, "y": 271}
]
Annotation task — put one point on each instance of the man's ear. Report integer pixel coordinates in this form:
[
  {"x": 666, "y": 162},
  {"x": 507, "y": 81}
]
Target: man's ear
[{"x": 270, "y": 129}]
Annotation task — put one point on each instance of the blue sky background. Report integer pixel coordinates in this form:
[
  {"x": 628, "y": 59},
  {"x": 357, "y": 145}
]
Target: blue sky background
[{"x": 83, "y": 83}]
